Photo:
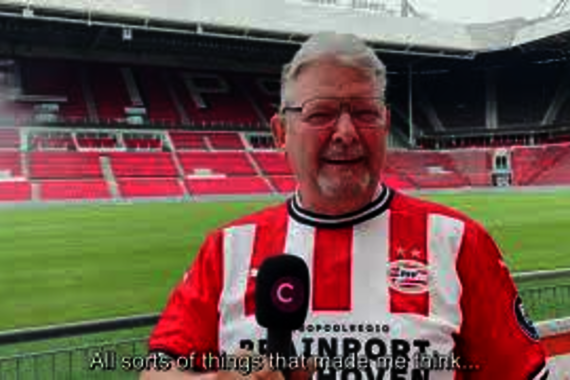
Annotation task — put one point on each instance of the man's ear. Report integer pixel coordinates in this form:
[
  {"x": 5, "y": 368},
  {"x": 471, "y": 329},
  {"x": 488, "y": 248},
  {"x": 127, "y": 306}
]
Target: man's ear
[{"x": 278, "y": 130}]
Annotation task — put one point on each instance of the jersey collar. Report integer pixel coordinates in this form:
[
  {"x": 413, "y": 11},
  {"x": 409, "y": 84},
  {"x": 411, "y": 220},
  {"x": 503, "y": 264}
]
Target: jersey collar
[{"x": 380, "y": 204}]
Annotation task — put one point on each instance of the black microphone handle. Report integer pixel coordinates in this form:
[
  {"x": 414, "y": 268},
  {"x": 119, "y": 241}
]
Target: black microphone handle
[{"x": 279, "y": 345}]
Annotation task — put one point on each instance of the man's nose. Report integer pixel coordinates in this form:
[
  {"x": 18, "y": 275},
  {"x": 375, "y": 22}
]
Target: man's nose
[{"x": 345, "y": 132}]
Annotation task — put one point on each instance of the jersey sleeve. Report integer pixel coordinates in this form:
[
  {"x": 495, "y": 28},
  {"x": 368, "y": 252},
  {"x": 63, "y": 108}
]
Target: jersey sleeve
[
  {"x": 497, "y": 338},
  {"x": 189, "y": 322}
]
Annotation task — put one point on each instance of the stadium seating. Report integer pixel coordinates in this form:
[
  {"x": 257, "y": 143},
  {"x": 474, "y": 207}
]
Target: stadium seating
[
  {"x": 149, "y": 187},
  {"x": 9, "y": 138},
  {"x": 64, "y": 165},
  {"x": 13, "y": 191},
  {"x": 229, "y": 163},
  {"x": 188, "y": 140},
  {"x": 73, "y": 190},
  {"x": 474, "y": 164},
  {"x": 265, "y": 91},
  {"x": 244, "y": 185},
  {"x": 427, "y": 169},
  {"x": 144, "y": 142},
  {"x": 109, "y": 92},
  {"x": 52, "y": 141},
  {"x": 56, "y": 78},
  {"x": 142, "y": 164},
  {"x": 530, "y": 162},
  {"x": 217, "y": 107},
  {"x": 458, "y": 98},
  {"x": 272, "y": 163},
  {"x": 284, "y": 183},
  {"x": 556, "y": 169},
  {"x": 156, "y": 96},
  {"x": 225, "y": 141},
  {"x": 10, "y": 164},
  {"x": 95, "y": 141},
  {"x": 526, "y": 101},
  {"x": 397, "y": 181}
]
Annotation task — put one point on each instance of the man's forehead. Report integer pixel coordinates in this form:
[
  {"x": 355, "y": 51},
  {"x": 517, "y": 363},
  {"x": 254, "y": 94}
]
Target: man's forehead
[{"x": 334, "y": 83}]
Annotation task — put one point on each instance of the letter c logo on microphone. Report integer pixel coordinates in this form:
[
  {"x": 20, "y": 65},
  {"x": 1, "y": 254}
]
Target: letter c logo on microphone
[
  {"x": 280, "y": 290},
  {"x": 288, "y": 294}
]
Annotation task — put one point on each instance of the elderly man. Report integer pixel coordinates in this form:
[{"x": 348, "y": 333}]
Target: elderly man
[{"x": 418, "y": 289}]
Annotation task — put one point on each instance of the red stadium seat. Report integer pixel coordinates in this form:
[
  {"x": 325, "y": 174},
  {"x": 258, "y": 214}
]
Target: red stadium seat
[
  {"x": 64, "y": 165},
  {"x": 248, "y": 185},
  {"x": 73, "y": 190},
  {"x": 11, "y": 162},
  {"x": 9, "y": 138},
  {"x": 143, "y": 164},
  {"x": 149, "y": 187},
  {"x": 272, "y": 163},
  {"x": 230, "y": 163},
  {"x": 15, "y": 191}
]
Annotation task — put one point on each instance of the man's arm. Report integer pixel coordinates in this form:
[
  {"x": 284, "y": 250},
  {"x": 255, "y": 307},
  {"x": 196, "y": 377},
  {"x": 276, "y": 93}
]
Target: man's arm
[
  {"x": 189, "y": 322},
  {"x": 496, "y": 334}
]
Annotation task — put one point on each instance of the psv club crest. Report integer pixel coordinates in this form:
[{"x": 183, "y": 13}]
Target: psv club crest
[{"x": 408, "y": 276}]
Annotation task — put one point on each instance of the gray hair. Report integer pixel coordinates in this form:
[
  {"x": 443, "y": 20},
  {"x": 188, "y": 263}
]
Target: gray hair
[{"x": 347, "y": 49}]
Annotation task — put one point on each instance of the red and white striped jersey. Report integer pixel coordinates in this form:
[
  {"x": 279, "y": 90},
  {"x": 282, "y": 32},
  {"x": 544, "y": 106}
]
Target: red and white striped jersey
[{"x": 404, "y": 282}]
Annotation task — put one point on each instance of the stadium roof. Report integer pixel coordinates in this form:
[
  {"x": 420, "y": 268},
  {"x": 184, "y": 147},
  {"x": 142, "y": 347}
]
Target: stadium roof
[{"x": 291, "y": 21}]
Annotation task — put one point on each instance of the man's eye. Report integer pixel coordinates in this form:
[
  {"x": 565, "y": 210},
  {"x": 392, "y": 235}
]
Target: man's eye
[
  {"x": 319, "y": 117},
  {"x": 367, "y": 116}
]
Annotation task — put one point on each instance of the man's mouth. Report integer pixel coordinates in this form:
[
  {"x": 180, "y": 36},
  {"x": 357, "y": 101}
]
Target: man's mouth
[{"x": 343, "y": 161}]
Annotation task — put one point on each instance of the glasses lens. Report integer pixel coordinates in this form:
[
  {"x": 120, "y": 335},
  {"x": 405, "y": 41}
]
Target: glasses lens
[
  {"x": 366, "y": 112},
  {"x": 320, "y": 112},
  {"x": 323, "y": 112}
]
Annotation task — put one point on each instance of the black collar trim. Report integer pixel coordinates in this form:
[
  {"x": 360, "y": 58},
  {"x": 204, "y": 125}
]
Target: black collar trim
[{"x": 380, "y": 204}]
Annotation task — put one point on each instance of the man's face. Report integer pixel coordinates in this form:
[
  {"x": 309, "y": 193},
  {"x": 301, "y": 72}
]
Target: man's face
[{"x": 343, "y": 160}]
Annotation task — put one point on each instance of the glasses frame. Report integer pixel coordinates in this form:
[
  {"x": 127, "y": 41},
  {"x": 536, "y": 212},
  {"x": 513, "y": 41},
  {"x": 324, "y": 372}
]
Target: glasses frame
[{"x": 345, "y": 104}]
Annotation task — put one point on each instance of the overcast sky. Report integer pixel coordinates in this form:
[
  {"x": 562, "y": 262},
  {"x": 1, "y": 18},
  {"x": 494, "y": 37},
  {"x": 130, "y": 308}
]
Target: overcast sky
[{"x": 484, "y": 10}]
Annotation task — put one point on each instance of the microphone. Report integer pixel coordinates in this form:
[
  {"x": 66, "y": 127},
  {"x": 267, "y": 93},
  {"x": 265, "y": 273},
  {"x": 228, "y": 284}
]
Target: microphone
[{"x": 281, "y": 303}]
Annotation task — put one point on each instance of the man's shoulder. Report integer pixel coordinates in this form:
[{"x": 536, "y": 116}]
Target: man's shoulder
[{"x": 422, "y": 207}]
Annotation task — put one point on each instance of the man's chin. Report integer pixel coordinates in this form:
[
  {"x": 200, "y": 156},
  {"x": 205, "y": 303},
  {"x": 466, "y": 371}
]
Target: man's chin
[{"x": 342, "y": 188}]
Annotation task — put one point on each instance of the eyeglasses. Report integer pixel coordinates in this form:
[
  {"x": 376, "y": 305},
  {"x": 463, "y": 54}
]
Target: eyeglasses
[{"x": 322, "y": 113}]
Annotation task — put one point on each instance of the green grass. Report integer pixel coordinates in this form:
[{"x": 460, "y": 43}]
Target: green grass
[{"x": 83, "y": 262}]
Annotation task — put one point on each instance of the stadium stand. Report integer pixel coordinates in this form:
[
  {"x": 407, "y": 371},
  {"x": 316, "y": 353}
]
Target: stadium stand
[
  {"x": 64, "y": 165},
  {"x": 9, "y": 138},
  {"x": 149, "y": 187},
  {"x": 523, "y": 102},
  {"x": 211, "y": 99},
  {"x": 82, "y": 164},
  {"x": 15, "y": 191},
  {"x": 56, "y": 80},
  {"x": 427, "y": 170},
  {"x": 529, "y": 163},
  {"x": 157, "y": 96},
  {"x": 73, "y": 190},
  {"x": 86, "y": 141},
  {"x": 243, "y": 185},
  {"x": 188, "y": 141},
  {"x": 474, "y": 164},
  {"x": 109, "y": 92},
  {"x": 225, "y": 163},
  {"x": 143, "y": 164},
  {"x": 272, "y": 163},
  {"x": 10, "y": 164},
  {"x": 448, "y": 106}
]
